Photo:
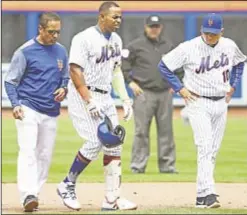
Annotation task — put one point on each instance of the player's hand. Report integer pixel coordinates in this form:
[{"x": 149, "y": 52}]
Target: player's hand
[
  {"x": 18, "y": 113},
  {"x": 94, "y": 109},
  {"x": 128, "y": 110},
  {"x": 229, "y": 94},
  {"x": 171, "y": 91},
  {"x": 187, "y": 96},
  {"x": 137, "y": 90},
  {"x": 60, "y": 94}
]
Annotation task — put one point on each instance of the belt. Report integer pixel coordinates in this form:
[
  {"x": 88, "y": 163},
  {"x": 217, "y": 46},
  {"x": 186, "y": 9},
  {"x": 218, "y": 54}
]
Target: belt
[
  {"x": 214, "y": 98},
  {"x": 95, "y": 89}
]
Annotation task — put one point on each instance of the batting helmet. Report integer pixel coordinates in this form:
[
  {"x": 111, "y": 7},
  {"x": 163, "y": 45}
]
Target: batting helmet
[{"x": 108, "y": 136}]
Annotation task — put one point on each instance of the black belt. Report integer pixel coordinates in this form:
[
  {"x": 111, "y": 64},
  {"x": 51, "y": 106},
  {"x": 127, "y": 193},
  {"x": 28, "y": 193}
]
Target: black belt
[
  {"x": 95, "y": 89},
  {"x": 214, "y": 98}
]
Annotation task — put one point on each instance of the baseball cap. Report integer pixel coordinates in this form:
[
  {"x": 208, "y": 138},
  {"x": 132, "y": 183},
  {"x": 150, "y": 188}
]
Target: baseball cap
[
  {"x": 212, "y": 23},
  {"x": 153, "y": 20}
]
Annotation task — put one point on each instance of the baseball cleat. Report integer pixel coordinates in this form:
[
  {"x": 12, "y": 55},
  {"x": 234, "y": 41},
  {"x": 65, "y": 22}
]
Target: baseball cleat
[
  {"x": 210, "y": 201},
  {"x": 67, "y": 192},
  {"x": 30, "y": 203},
  {"x": 118, "y": 204}
]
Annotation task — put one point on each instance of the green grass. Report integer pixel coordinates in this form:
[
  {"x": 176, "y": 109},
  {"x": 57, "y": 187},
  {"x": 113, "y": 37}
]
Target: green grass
[{"x": 231, "y": 161}]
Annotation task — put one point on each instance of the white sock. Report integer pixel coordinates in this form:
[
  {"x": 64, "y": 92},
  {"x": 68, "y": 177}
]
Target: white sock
[{"x": 112, "y": 180}]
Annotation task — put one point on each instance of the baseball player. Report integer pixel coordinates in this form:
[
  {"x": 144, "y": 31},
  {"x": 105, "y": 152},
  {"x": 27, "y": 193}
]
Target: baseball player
[
  {"x": 207, "y": 90},
  {"x": 36, "y": 84},
  {"x": 95, "y": 60}
]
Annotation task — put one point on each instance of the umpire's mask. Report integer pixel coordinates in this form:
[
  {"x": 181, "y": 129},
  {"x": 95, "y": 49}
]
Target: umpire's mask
[{"x": 108, "y": 136}]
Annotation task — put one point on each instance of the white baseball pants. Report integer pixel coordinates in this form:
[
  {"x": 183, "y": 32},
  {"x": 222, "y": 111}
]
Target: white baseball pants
[
  {"x": 87, "y": 127},
  {"x": 208, "y": 121},
  {"x": 36, "y": 135}
]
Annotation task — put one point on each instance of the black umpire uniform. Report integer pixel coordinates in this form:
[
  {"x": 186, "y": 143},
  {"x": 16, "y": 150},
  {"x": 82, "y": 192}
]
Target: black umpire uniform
[{"x": 140, "y": 66}]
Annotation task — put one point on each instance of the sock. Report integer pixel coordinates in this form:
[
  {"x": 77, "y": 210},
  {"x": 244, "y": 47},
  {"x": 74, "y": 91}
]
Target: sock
[
  {"x": 112, "y": 169},
  {"x": 79, "y": 164}
]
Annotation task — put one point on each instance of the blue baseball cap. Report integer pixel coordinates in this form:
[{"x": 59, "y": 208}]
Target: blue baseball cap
[{"x": 212, "y": 23}]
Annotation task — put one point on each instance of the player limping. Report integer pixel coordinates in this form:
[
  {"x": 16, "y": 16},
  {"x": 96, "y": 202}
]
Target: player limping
[{"x": 95, "y": 59}]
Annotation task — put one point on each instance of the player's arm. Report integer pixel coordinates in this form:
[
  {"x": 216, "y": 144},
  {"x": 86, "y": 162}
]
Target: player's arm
[
  {"x": 76, "y": 74},
  {"x": 170, "y": 76},
  {"x": 118, "y": 85},
  {"x": 238, "y": 66},
  {"x": 78, "y": 58},
  {"x": 16, "y": 71},
  {"x": 236, "y": 74},
  {"x": 77, "y": 77},
  {"x": 170, "y": 62},
  {"x": 239, "y": 60},
  {"x": 235, "y": 78}
]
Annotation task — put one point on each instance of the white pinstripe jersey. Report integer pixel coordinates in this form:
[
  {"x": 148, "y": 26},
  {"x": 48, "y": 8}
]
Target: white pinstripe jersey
[
  {"x": 97, "y": 56},
  {"x": 206, "y": 68}
]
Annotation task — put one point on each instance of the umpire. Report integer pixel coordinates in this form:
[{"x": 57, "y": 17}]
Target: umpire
[{"x": 151, "y": 97}]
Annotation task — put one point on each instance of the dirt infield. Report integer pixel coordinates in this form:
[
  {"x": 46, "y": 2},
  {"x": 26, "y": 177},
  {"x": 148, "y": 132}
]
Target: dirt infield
[{"x": 146, "y": 195}]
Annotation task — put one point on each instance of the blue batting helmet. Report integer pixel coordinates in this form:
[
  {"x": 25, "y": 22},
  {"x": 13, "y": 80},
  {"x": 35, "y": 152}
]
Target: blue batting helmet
[{"x": 108, "y": 136}]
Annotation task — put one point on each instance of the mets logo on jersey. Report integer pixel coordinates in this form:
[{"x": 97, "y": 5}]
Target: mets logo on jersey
[
  {"x": 207, "y": 65},
  {"x": 108, "y": 52},
  {"x": 210, "y": 22},
  {"x": 60, "y": 64}
]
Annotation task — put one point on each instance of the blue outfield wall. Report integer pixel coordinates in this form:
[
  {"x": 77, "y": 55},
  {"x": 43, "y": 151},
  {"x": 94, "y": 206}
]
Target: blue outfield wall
[{"x": 190, "y": 31}]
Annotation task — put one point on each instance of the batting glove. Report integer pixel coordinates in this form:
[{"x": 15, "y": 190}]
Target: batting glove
[
  {"x": 128, "y": 110},
  {"x": 93, "y": 108}
]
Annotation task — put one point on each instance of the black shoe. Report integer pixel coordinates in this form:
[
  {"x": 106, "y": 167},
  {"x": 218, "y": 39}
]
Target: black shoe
[
  {"x": 171, "y": 171},
  {"x": 30, "y": 203},
  {"x": 210, "y": 201}
]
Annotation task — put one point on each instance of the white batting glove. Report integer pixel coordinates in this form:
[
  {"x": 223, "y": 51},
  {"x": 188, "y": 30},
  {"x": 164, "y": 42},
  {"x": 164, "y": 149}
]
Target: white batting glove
[
  {"x": 94, "y": 108},
  {"x": 128, "y": 110}
]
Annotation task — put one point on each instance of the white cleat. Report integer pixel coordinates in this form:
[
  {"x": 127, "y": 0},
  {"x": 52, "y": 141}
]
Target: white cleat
[
  {"x": 118, "y": 204},
  {"x": 67, "y": 192}
]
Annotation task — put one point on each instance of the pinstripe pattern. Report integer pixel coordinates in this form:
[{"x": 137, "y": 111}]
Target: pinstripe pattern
[
  {"x": 86, "y": 50},
  {"x": 86, "y": 126},
  {"x": 195, "y": 54},
  {"x": 206, "y": 74},
  {"x": 97, "y": 56},
  {"x": 208, "y": 120}
]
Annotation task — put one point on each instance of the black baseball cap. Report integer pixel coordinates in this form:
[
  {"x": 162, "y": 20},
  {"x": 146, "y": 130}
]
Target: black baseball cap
[{"x": 153, "y": 20}]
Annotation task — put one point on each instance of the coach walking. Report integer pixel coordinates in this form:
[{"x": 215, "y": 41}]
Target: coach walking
[
  {"x": 151, "y": 97},
  {"x": 36, "y": 84}
]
